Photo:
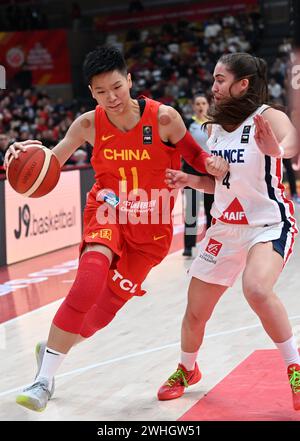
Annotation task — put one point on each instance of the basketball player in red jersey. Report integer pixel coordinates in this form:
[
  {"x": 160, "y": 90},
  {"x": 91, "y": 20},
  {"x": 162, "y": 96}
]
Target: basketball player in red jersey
[{"x": 135, "y": 141}]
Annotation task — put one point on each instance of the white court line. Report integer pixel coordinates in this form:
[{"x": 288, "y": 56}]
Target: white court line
[
  {"x": 138, "y": 354},
  {"x": 34, "y": 311}
]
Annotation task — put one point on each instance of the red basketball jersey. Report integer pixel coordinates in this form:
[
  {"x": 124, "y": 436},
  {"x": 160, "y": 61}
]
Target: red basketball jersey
[{"x": 132, "y": 163}]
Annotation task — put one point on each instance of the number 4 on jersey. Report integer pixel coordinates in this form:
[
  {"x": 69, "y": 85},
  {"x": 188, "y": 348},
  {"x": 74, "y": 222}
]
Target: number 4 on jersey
[{"x": 226, "y": 180}]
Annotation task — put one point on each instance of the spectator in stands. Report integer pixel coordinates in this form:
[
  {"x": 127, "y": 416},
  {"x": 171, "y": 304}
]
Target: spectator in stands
[
  {"x": 78, "y": 158},
  {"x": 275, "y": 91},
  {"x": 23, "y": 77},
  {"x": 4, "y": 141},
  {"x": 285, "y": 47}
]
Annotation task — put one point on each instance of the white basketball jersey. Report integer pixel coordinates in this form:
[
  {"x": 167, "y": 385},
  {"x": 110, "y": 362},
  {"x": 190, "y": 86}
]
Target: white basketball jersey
[{"x": 252, "y": 193}]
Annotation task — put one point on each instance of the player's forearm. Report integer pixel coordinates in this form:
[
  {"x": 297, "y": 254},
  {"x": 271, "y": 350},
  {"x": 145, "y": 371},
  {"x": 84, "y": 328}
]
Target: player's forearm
[
  {"x": 63, "y": 150},
  {"x": 192, "y": 153},
  {"x": 76, "y": 136},
  {"x": 206, "y": 184}
]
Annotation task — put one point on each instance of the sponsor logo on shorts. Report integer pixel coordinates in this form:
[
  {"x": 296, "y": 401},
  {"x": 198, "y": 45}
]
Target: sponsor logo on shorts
[
  {"x": 159, "y": 237},
  {"x": 106, "y": 233},
  {"x": 125, "y": 284},
  {"x": 213, "y": 247}
]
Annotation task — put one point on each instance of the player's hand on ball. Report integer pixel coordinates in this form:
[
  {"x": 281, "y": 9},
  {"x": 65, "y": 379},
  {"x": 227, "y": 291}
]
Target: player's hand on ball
[
  {"x": 216, "y": 166},
  {"x": 176, "y": 178},
  {"x": 14, "y": 149}
]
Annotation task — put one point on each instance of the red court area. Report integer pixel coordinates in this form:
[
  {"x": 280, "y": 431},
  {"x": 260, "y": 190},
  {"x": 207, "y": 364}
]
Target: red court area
[{"x": 256, "y": 390}]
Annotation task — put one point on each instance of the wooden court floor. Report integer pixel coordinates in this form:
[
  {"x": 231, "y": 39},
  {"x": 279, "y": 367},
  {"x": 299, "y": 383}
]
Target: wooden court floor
[{"x": 114, "y": 376}]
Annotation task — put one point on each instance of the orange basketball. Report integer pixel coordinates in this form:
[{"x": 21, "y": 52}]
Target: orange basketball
[{"x": 34, "y": 173}]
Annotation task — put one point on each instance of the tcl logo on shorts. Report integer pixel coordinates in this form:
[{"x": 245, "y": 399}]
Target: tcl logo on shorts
[
  {"x": 213, "y": 247},
  {"x": 125, "y": 284}
]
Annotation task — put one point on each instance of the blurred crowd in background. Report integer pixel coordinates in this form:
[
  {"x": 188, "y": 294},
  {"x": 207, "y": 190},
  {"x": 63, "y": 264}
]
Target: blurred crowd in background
[{"x": 169, "y": 64}]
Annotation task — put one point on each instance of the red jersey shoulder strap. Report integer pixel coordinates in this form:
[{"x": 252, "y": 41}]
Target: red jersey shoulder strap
[
  {"x": 152, "y": 105},
  {"x": 150, "y": 114}
]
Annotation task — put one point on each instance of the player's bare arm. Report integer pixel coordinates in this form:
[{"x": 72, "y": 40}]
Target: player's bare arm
[
  {"x": 273, "y": 129},
  {"x": 180, "y": 179},
  {"x": 172, "y": 129},
  {"x": 80, "y": 131}
]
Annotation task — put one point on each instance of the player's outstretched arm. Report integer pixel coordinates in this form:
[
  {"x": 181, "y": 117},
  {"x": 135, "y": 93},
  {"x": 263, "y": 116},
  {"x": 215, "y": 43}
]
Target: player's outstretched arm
[
  {"x": 179, "y": 179},
  {"x": 172, "y": 128},
  {"x": 79, "y": 132}
]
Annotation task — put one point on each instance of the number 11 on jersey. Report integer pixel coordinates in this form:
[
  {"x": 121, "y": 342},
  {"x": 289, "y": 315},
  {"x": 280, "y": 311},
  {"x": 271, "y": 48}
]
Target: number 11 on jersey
[{"x": 135, "y": 179}]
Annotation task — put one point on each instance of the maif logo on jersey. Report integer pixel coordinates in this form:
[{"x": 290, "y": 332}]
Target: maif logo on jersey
[
  {"x": 213, "y": 247},
  {"x": 234, "y": 214}
]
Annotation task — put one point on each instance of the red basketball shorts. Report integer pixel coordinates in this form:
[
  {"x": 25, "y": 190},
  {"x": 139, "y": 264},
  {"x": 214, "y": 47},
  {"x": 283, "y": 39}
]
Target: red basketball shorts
[{"x": 137, "y": 248}]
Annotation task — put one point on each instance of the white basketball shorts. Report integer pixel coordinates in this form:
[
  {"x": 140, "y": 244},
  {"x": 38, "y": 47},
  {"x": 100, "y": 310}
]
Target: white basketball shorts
[{"x": 224, "y": 249}]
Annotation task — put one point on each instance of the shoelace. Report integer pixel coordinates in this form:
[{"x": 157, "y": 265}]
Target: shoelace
[
  {"x": 178, "y": 375},
  {"x": 37, "y": 385},
  {"x": 295, "y": 380}
]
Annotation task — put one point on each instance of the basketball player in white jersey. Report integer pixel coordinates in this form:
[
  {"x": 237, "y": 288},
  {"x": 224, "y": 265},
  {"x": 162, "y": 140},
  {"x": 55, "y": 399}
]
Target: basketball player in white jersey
[{"x": 253, "y": 226}]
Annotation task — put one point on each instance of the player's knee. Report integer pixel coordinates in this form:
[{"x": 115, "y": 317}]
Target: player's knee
[
  {"x": 195, "y": 318},
  {"x": 68, "y": 319},
  {"x": 255, "y": 292},
  {"x": 90, "y": 278},
  {"x": 82, "y": 299}
]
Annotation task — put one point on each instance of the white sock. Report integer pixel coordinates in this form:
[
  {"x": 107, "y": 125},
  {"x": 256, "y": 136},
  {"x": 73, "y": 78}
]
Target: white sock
[
  {"x": 289, "y": 351},
  {"x": 51, "y": 361},
  {"x": 188, "y": 360}
]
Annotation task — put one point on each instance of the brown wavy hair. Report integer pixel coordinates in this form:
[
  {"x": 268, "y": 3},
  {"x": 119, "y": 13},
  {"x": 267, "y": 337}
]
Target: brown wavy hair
[{"x": 234, "y": 110}]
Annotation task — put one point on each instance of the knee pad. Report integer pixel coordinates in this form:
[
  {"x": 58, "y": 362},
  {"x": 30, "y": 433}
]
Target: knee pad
[
  {"x": 102, "y": 313},
  {"x": 90, "y": 281},
  {"x": 68, "y": 319}
]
